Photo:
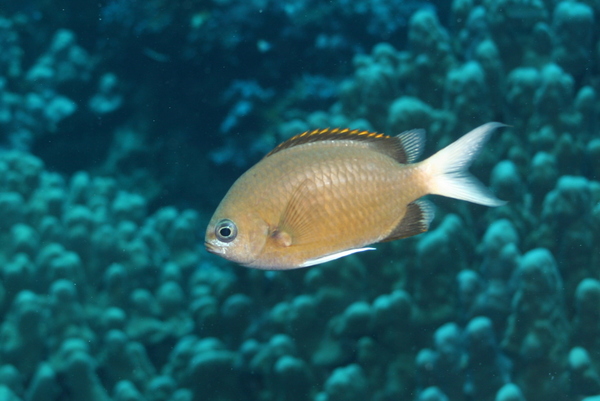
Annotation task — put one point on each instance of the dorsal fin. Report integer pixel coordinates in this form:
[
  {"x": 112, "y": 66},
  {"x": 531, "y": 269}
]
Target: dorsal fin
[
  {"x": 404, "y": 148},
  {"x": 413, "y": 142}
]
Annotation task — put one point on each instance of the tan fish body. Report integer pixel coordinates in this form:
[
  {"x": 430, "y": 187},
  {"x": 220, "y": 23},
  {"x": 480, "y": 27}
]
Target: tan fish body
[{"x": 325, "y": 194}]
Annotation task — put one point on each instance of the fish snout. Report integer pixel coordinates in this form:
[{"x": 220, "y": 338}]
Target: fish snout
[{"x": 212, "y": 248}]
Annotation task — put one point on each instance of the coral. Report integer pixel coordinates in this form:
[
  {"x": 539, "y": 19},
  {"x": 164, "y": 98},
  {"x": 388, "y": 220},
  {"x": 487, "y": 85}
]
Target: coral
[
  {"x": 388, "y": 74},
  {"x": 384, "y": 18},
  {"x": 126, "y": 391},
  {"x": 520, "y": 17},
  {"x": 163, "y": 388},
  {"x": 345, "y": 384},
  {"x": 537, "y": 333},
  {"x": 437, "y": 271},
  {"x": 108, "y": 99},
  {"x": 236, "y": 315},
  {"x": 128, "y": 360},
  {"x": 470, "y": 286},
  {"x": 430, "y": 48},
  {"x": 67, "y": 314},
  {"x": 211, "y": 373},
  {"x": 12, "y": 53},
  {"x": 63, "y": 61},
  {"x": 39, "y": 107},
  {"x": 471, "y": 25},
  {"x": 7, "y": 394},
  {"x": 521, "y": 86},
  {"x": 509, "y": 392},
  {"x": 568, "y": 227},
  {"x": 488, "y": 56},
  {"x": 11, "y": 378},
  {"x": 467, "y": 95},
  {"x": 374, "y": 86},
  {"x": 584, "y": 378},
  {"x": 586, "y": 324},
  {"x": 355, "y": 322},
  {"x": 554, "y": 96},
  {"x": 78, "y": 367},
  {"x": 44, "y": 385},
  {"x": 456, "y": 370},
  {"x": 59, "y": 272},
  {"x": 24, "y": 332},
  {"x": 585, "y": 105},
  {"x": 489, "y": 293},
  {"x": 487, "y": 369},
  {"x": 506, "y": 181},
  {"x": 543, "y": 176},
  {"x": 392, "y": 319},
  {"x": 432, "y": 394},
  {"x": 449, "y": 360},
  {"x": 406, "y": 111},
  {"x": 293, "y": 379},
  {"x": 141, "y": 114},
  {"x": 570, "y": 200},
  {"x": 572, "y": 24},
  {"x": 243, "y": 95}
]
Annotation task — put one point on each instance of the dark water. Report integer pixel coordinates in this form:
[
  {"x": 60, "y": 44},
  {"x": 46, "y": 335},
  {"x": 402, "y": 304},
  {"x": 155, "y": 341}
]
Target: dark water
[{"x": 124, "y": 122}]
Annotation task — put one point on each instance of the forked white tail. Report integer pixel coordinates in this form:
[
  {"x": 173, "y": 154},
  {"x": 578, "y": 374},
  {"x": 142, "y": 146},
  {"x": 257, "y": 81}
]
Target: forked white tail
[{"x": 449, "y": 168}]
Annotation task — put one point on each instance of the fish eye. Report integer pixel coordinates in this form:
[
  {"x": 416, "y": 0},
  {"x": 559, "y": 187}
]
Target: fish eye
[{"x": 226, "y": 230}]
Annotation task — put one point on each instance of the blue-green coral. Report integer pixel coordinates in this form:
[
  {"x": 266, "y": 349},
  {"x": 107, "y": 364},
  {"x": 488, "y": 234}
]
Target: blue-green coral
[{"x": 106, "y": 294}]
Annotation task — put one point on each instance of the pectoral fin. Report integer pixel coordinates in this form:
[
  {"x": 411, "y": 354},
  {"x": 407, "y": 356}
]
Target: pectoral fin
[{"x": 296, "y": 225}]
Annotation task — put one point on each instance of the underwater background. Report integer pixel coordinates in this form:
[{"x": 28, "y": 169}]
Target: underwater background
[{"x": 124, "y": 122}]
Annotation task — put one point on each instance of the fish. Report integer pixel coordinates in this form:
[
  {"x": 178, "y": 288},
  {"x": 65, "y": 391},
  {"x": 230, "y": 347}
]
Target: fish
[{"x": 329, "y": 193}]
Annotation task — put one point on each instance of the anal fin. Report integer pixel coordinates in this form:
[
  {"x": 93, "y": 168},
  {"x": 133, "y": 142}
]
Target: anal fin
[{"x": 416, "y": 220}]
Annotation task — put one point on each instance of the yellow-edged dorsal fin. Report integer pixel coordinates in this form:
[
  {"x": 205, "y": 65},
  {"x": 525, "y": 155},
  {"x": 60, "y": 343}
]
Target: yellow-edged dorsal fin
[{"x": 404, "y": 148}]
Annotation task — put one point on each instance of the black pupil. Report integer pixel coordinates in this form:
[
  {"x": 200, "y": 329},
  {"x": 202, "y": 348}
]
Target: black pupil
[{"x": 225, "y": 232}]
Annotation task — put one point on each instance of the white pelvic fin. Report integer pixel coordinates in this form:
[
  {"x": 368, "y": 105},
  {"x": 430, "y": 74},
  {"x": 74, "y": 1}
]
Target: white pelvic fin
[
  {"x": 448, "y": 167},
  {"x": 333, "y": 256}
]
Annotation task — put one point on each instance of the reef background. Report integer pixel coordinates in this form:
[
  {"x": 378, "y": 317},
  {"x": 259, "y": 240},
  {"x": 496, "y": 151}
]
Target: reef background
[{"x": 123, "y": 123}]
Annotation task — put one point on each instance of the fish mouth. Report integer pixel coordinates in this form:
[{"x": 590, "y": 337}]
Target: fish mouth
[{"x": 211, "y": 248}]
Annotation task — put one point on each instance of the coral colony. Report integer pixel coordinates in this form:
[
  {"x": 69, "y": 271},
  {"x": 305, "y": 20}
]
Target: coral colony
[{"x": 123, "y": 123}]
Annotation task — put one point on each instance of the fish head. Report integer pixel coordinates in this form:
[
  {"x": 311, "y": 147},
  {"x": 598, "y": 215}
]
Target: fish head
[{"x": 237, "y": 237}]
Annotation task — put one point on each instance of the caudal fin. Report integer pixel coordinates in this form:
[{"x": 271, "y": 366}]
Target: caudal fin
[{"x": 449, "y": 168}]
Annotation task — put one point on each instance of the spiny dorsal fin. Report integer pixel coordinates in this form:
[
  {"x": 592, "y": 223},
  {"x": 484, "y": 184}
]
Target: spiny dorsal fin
[
  {"x": 404, "y": 148},
  {"x": 416, "y": 220}
]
